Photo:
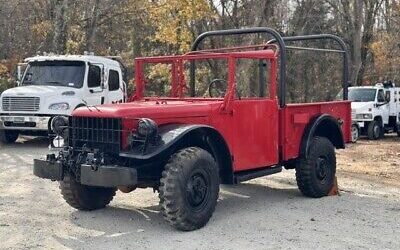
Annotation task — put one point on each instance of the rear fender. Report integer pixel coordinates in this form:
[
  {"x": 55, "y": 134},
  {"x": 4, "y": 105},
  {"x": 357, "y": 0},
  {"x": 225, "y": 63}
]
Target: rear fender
[{"x": 325, "y": 126}]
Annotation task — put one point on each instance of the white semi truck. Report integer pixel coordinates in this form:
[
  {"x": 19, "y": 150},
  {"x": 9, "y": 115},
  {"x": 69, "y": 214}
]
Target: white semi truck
[
  {"x": 375, "y": 110},
  {"x": 52, "y": 87}
]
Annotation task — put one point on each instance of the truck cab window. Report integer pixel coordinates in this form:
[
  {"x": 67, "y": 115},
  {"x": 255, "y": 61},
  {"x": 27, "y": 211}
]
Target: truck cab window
[
  {"x": 94, "y": 76},
  {"x": 381, "y": 96},
  {"x": 113, "y": 80},
  {"x": 387, "y": 96}
]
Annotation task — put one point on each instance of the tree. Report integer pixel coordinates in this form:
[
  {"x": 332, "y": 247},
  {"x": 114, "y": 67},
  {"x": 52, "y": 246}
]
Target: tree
[{"x": 60, "y": 26}]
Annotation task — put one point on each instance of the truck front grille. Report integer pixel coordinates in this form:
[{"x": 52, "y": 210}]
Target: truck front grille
[
  {"x": 353, "y": 114},
  {"x": 20, "y": 103},
  {"x": 95, "y": 133}
]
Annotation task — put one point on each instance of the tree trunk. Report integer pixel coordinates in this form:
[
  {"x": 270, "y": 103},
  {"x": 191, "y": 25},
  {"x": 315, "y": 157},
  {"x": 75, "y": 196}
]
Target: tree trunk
[
  {"x": 356, "y": 38},
  {"x": 60, "y": 26},
  {"x": 91, "y": 26}
]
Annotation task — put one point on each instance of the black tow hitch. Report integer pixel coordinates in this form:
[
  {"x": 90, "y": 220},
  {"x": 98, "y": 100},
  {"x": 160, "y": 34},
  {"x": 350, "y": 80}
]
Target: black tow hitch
[{"x": 49, "y": 168}]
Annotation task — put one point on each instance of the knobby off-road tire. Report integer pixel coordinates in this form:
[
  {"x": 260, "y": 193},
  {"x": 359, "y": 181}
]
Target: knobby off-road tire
[
  {"x": 374, "y": 130},
  {"x": 316, "y": 172},
  {"x": 85, "y": 197},
  {"x": 8, "y": 136},
  {"x": 189, "y": 189}
]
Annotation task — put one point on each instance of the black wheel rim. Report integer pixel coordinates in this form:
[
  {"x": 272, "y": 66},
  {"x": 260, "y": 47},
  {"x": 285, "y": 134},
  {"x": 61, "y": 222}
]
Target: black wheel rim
[
  {"x": 322, "y": 169},
  {"x": 197, "y": 189}
]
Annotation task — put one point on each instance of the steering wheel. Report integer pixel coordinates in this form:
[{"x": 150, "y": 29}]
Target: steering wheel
[
  {"x": 220, "y": 86},
  {"x": 217, "y": 86}
]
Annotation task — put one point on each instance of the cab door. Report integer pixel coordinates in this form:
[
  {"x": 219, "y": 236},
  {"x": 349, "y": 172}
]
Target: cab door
[
  {"x": 115, "y": 87},
  {"x": 94, "y": 92},
  {"x": 383, "y": 106},
  {"x": 255, "y": 116},
  {"x": 255, "y": 122}
]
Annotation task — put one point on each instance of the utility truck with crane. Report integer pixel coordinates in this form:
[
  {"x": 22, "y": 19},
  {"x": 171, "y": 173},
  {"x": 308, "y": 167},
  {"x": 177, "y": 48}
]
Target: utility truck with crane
[
  {"x": 185, "y": 146},
  {"x": 375, "y": 110}
]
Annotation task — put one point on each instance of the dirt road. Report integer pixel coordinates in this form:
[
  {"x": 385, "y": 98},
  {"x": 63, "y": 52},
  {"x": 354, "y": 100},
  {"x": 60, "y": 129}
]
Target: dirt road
[{"x": 267, "y": 213}]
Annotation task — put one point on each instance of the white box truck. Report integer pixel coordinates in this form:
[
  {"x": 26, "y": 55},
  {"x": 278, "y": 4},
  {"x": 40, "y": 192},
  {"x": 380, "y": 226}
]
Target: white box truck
[{"x": 52, "y": 86}]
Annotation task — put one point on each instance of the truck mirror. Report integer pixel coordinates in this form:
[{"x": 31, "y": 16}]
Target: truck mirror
[
  {"x": 103, "y": 78},
  {"x": 20, "y": 72}
]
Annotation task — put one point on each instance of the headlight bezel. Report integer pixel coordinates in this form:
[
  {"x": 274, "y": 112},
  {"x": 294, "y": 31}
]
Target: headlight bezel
[
  {"x": 147, "y": 128},
  {"x": 59, "y": 106}
]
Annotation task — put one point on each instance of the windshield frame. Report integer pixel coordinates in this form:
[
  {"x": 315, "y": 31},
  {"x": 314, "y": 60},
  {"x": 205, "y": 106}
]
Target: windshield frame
[
  {"x": 179, "y": 84},
  {"x": 77, "y": 86},
  {"x": 364, "y": 89}
]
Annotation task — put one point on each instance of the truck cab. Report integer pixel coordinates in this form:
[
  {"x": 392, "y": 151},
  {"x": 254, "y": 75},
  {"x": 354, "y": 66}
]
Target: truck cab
[
  {"x": 375, "y": 110},
  {"x": 52, "y": 87}
]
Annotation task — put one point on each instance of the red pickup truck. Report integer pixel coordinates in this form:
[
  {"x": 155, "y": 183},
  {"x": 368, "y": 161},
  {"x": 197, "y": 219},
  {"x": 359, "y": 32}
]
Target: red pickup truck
[{"x": 185, "y": 146}]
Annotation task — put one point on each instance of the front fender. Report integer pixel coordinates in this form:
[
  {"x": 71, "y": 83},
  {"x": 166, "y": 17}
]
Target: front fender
[{"x": 171, "y": 137}]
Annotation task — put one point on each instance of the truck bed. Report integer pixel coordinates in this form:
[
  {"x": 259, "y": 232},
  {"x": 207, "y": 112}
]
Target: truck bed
[{"x": 295, "y": 117}]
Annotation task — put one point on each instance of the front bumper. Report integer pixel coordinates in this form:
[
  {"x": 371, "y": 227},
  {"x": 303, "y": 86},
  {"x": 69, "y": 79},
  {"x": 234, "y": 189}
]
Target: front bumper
[
  {"x": 361, "y": 123},
  {"x": 101, "y": 176},
  {"x": 22, "y": 122}
]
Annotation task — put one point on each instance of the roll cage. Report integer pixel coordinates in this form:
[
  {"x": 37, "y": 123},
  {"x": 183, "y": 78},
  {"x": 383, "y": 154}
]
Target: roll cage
[{"x": 273, "y": 50}]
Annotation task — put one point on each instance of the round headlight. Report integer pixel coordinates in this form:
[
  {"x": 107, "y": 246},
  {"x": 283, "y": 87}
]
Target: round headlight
[
  {"x": 147, "y": 128},
  {"x": 59, "y": 124}
]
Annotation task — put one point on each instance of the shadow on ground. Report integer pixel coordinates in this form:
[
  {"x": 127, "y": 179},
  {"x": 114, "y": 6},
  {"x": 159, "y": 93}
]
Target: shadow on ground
[{"x": 248, "y": 215}]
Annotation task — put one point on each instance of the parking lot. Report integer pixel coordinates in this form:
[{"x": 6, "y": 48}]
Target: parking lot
[{"x": 266, "y": 213}]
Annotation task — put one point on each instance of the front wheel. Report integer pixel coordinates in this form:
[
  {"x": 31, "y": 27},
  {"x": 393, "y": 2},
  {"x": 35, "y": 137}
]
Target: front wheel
[
  {"x": 315, "y": 173},
  {"x": 84, "y": 197},
  {"x": 8, "y": 136},
  {"x": 189, "y": 189},
  {"x": 355, "y": 133},
  {"x": 398, "y": 129},
  {"x": 374, "y": 130}
]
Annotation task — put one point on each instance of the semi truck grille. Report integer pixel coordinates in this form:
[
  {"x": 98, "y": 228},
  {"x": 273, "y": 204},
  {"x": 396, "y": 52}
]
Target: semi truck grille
[
  {"x": 20, "y": 103},
  {"x": 96, "y": 133}
]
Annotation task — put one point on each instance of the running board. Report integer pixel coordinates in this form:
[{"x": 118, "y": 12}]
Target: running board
[{"x": 252, "y": 174}]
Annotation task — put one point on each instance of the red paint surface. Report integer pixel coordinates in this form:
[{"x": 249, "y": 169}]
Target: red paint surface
[{"x": 255, "y": 129}]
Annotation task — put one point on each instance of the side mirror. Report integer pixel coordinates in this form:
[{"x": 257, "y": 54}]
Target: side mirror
[
  {"x": 20, "y": 72},
  {"x": 103, "y": 78}
]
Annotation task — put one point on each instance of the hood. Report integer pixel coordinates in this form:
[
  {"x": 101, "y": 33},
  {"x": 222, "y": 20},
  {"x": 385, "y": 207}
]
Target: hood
[
  {"x": 361, "y": 105},
  {"x": 36, "y": 90},
  {"x": 155, "y": 109}
]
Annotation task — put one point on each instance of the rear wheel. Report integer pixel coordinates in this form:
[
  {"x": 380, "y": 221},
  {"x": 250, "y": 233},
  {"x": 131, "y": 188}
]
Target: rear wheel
[
  {"x": 189, "y": 189},
  {"x": 8, "y": 136},
  {"x": 85, "y": 197},
  {"x": 374, "y": 130},
  {"x": 315, "y": 173}
]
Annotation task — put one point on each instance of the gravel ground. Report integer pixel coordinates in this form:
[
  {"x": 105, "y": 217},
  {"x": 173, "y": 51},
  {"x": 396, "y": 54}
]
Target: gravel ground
[{"x": 266, "y": 213}]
